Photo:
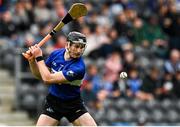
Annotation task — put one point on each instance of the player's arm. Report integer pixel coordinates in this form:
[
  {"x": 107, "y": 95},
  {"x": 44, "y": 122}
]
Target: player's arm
[
  {"x": 33, "y": 66},
  {"x": 49, "y": 77},
  {"x": 45, "y": 74},
  {"x": 34, "y": 69}
]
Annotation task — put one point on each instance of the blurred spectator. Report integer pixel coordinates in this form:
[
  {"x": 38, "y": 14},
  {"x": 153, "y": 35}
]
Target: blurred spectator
[
  {"x": 157, "y": 37},
  {"x": 7, "y": 26},
  {"x": 122, "y": 27},
  {"x": 41, "y": 12},
  {"x": 139, "y": 32},
  {"x": 96, "y": 41},
  {"x": 166, "y": 89},
  {"x": 28, "y": 5},
  {"x": 131, "y": 14},
  {"x": 113, "y": 35},
  {"x": 104, "y": 17},
  {"x": 60, "y": 42},
  {"x": 130, "y": 60},
  {"x": 59, "y": 10},
  {"x": 150, "y": 85},
  {"x": 133, "y": 83},
  {"x": 92, "y": 76},
  {"x": 154, "y": 30},
  {"x": 21, "y": 18},
  {"x": 105, "y": 88},
  {"x": 160, "y": 48},
  {"x": 88, "y": 95},
  {"x": 113, "y": 65},
  {"x": 169, "y": 20},
  {"x": 176, "y": 84},
  {"x": 115, "y": 9},
  {"x": 173, "y": 63},
  {"x": 95, "y": 87}
]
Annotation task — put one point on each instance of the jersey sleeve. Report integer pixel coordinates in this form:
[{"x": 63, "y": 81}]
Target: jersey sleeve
[
  {"x": 48, "y": 61},
  {"x": 74, "y": 73}
]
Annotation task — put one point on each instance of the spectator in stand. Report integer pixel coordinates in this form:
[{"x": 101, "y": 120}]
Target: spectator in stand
[
  {"x": 129, "y": 58},
  {"x": 88, "y": 95},
  {"x": 156, "y": 37},
  {"x": 150, "y": 86},
  {"x": 60, "y": 42},
  {"x": 59, "y": 10},
  {"x": 21, "y": 18},
  {"x": 101, "y": 87},
  {"x": 113, "y": 66},
  {"x": 139, "y": 33},
  {"x": 41, "y": 11},
  {"x": 133, "y": 83},
  {"x": 122, "y": 27},
  {"x": 92, "y": 76},
  {"x": 154, "y": 30},
  {"x": 105, "y": 88},
  {"x": 95, "y": 89},
  {"x": 169, "y": 21},
  {"x": 113, "y": 35},
  {"x": 166, "y": 90},
  {"x": 97, "y": 40},
  {"x": 8, "y": 28},
  {"x": 174, "y": 61},
  {"x": 176, "y": 83}
]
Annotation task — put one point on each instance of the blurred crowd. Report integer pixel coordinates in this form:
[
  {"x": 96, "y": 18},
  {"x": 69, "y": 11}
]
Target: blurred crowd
[{"x": 140, "y": 37}]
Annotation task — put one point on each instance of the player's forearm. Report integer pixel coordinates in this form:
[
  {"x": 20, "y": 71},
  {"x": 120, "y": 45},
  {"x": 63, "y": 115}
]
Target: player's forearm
[
  {"x": 34, "y": 69},
  {"x": 44, "y": 71}
]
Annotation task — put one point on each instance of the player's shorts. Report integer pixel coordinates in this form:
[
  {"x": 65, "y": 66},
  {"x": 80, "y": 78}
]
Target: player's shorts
[{"x": 57, "y": 108}]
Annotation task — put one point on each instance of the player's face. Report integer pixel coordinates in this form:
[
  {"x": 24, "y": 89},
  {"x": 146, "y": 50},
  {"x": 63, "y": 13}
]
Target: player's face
[{"x": 76, "y": 50}]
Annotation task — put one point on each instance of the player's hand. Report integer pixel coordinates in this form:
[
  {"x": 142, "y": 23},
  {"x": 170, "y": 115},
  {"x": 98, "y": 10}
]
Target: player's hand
[
  {"x": 35, "y": 51},
  {"x": 28, "y": 55}
]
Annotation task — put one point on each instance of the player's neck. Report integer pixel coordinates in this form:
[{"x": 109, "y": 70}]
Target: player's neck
[{"x": 67, "y": 56}]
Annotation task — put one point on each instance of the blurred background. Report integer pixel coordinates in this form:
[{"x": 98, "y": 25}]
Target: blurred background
[{"x": 140, "y": 37}]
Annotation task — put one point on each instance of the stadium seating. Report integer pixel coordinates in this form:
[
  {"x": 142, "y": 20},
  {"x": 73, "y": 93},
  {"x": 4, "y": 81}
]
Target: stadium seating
[{"x": 133, "y": 111}]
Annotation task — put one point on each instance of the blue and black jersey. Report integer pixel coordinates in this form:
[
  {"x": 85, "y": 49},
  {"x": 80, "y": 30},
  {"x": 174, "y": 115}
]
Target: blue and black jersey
[{"x": 73, "y": 70}]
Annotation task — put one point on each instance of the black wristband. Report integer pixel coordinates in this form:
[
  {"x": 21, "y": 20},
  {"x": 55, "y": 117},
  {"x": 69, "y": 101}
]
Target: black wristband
[{"x": 39, "y": 58}]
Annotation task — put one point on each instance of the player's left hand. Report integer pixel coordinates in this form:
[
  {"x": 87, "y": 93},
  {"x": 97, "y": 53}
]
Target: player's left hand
[
  {"x": 30, "y": 56},
  {"x": 35, "y": 50}
]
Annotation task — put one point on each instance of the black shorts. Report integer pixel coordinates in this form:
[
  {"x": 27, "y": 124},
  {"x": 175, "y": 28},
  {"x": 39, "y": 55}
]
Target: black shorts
[{"x": 57, "y": 108}]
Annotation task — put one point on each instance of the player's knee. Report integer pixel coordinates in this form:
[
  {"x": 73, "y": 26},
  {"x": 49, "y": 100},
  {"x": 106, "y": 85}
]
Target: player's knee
[
  {"x": 86, "y": 120},
  {"x": 91, "y": 123}
]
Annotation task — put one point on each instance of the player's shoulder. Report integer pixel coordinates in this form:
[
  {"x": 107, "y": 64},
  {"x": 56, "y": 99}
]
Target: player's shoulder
[
  {"x": 80, "y": 62},
  {"x": 58, "y": 51}
]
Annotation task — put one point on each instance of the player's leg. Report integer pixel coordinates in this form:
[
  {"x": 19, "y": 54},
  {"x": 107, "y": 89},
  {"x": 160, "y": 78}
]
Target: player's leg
[
  {"x": 45, "y": 120},
  {"x": 84, "y": 120},
  {"x": 49, "y": 116}
]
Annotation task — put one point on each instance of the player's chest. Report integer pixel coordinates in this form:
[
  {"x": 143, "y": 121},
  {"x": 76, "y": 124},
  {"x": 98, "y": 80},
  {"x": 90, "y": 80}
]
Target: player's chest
[{"x": 59, "y": 65}]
